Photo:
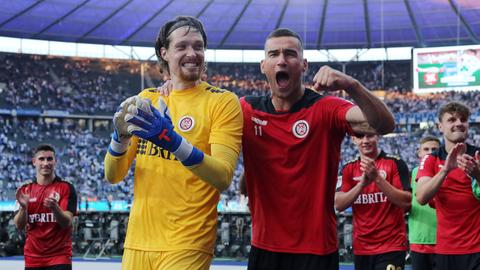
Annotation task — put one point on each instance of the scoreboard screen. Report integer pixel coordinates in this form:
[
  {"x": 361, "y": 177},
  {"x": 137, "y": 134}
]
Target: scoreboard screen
[{"x": 446, "y": 68}]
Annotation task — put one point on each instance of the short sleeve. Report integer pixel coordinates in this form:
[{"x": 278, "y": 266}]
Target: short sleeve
[
  {"x": 68, "y": 202},
  {"x": 347, "y": 182},
  {"x": 403, "y": 175},
  {"x": 340, "y": 107},
  {"x": 227, "y": 123},
  {"x": 427, "y": 167}
]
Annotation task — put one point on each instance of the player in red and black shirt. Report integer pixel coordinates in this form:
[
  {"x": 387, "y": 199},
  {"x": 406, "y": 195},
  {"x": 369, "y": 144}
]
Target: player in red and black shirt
[
  {"x": 291, "y": 149},
  {"x": 444, "y": 180},
  {"x": 377, "y": 187},
  {"x": 46, "y": 208}
]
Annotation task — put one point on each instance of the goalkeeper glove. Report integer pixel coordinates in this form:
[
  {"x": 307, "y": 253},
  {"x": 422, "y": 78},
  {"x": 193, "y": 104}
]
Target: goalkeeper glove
[
  {"x": 121, "y": 136},
  {"x": 156, "y": 126}
]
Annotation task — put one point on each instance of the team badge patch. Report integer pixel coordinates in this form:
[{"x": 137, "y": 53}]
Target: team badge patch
[
  {"x": 300, "y": 129},
  {"x": 382, "y": 174},
  {"x": 186, "y": 123},
  {"x": 55, "y": 195}
]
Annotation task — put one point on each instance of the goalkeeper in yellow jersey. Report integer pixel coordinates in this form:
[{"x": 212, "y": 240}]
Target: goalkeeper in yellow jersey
[{"x": 185, "y": 148}]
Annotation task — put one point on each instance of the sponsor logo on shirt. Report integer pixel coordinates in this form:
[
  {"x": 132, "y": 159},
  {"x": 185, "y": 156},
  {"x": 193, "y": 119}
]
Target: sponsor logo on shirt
[
  {"x": 371, "y": 198},
  {"x": 300, "y": 129},
  {"x": 142, "y": 147},
  {"x": 186, "y": 123},
  {"x": 146, "y": 148},
  {"x": 257, "y": 125},
  {"x": 41, "y": 218},
  {"x": 259, "y": 122}
]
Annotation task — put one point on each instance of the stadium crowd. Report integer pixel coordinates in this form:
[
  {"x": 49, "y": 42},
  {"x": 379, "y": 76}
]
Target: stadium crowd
[{"x": 96, "y": 86}]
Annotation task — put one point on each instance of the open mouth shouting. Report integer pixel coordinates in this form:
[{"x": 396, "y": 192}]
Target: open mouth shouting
[{"x": 282, "y": 78}]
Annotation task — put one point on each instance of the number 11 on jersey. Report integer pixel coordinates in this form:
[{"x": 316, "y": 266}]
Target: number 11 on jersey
[{"x": 258, "y": 130}]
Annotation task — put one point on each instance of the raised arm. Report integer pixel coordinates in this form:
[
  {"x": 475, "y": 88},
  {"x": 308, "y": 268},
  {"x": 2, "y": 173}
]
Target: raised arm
[
  {"x": 427, "y": 186},
  {"x": 216, "y": 169},
  {"x": 370, "y": 115},
  {"x": 397, "y": 196},
  {"x": 122, "y": 148}
]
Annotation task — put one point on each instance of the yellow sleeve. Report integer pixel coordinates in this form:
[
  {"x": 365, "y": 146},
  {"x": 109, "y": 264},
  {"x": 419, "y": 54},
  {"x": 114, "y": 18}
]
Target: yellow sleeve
[
  {"x": 116, "y": 168},
  {"x": 217, "y": 169},
  {"x": 227, "y": 123}
]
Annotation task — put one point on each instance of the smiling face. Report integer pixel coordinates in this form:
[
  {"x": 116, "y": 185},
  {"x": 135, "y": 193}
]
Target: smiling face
[
  {"x": 284, "y": 66},
  {"x": 367, "y": 144},
  {"x": 44, "y": 163},
  {"x": 185, "y": 54},
  {"x": 454, "y": 127}
]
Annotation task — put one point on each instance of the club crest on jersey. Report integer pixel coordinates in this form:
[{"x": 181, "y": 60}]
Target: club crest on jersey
[
  {"x": 300, "y": 129},
  {"x": 55, "y": 195},
  {"x": 186, "y": 123}
]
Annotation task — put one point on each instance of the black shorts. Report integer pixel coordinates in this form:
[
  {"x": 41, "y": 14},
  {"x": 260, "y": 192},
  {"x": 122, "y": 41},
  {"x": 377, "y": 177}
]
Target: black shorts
[
  {"x": 52, "y": 267},
  {"x": 422, "y": 261},
  {"x": 385, "y": 261},
  {"x": 455, "y": 262},
  {"x": 260, "y": 259}
]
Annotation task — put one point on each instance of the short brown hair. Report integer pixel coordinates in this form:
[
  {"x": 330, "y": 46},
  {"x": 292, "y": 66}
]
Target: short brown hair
[
  {"x": 429, "y": 138},
  {"x": 43, "y": 147},
  {"x": 454, "y": 107},
  {"x": 285, "y": 32}
]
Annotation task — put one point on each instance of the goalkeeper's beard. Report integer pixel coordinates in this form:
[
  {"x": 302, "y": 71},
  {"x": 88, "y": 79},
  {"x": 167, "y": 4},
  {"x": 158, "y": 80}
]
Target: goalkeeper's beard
[{"x": 190, "y": 76}]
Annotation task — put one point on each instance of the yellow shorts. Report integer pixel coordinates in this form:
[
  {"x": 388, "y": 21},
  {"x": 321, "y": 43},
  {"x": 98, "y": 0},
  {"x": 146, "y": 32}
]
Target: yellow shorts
[{"x": 165, "y": 260}]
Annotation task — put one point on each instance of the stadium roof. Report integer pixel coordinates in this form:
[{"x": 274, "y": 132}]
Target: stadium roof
[{"x": 244, "y": 24}]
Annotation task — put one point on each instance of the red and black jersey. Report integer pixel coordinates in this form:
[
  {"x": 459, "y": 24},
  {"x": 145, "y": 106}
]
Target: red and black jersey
[
  {"x": 378, "y": 225},
  {"x": 45, "y": 237},
  {"x": 291, "y": 162},
  {"x": 458, "y": 211}
]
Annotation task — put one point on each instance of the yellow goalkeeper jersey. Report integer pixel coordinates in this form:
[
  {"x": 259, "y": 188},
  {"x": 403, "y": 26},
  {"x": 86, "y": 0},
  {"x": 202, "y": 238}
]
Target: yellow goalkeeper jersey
[{"x": 172, "y": 208}]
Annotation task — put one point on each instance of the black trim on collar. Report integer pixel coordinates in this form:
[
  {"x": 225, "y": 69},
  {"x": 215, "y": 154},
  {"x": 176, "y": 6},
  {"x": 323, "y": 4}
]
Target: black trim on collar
[
  {"x": 56, "y": 179},
  {"x": 442, "y": 152},
  {"x": 264, "y": 103},
  {"x": 382, "y": 154}
]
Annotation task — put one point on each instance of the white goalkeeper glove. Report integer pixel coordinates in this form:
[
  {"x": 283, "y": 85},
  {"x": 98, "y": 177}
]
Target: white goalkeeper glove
[{"x": 121, "y": 136}]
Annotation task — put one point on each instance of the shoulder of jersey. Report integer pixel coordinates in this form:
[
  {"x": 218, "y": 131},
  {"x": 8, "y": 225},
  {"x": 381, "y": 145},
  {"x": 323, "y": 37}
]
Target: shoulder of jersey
[
  {"x": 216, "y": 90},
  {"x": 353, "y": 160},
  {"x": 390, "y": 156},
  {"x": 148, "y": 92},
  {"x": 256, "y": 101},
  {"x": 66, "y": 181},
  {"x": 26, "y": 183}
]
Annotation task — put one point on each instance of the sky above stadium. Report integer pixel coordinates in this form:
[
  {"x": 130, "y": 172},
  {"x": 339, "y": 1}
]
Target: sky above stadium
[{"x": 244, "y": 24}]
